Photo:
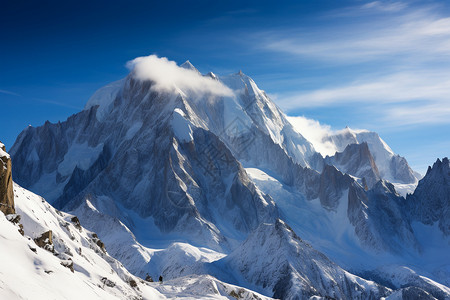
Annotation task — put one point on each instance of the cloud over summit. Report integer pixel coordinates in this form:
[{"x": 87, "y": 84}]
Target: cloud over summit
[{"x": 168, "y": 76}]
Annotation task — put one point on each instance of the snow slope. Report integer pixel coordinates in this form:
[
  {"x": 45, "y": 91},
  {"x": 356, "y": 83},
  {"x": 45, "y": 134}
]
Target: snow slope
[
  {"x": 292, "y": 269},
  {"x": 28, "y": 271},
  {"x": 419, "y": 248}
]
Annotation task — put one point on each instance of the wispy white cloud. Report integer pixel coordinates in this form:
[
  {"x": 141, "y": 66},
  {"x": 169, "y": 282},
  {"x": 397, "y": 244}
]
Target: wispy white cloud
[
  {"x": 405, "y": 55},
  {"x": 316, "y": 133},
  {"x": 400, "y": 99},
  {"x": 167, "y": 76},
  {"x": 384, "y": 6},
  {"x": 421, "y": 35},
  {"x": 9, "y": 93}
]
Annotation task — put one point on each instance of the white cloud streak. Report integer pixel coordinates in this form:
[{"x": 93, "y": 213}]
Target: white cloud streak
[
  {"x": 405, "y": 54},
  {"x": 400, "y": 99},
  {"x": 168, "y": 76},
  {"x": 419, "y": 34},
  {"x": 395, "y": 88},
  {"x": 382, "y": 6},
  {"x": 9, "y": 93},
  {"x": 314, "y": 132}
]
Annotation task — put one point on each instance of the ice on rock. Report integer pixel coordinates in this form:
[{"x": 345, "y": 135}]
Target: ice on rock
[{"x": 181, "y": 126}]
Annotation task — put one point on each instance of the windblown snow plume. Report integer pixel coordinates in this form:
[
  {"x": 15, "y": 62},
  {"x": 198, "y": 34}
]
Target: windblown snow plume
[
  {"x": 316, "y": 133},
  {"x": 167, "y": 76}
]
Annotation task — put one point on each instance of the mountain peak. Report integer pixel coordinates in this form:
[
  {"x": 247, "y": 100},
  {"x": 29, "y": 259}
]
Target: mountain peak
[
  {"x": 431, "y": 199},
  {"x": 188, "y": 66},
  {"x": 212, "y": 75}
]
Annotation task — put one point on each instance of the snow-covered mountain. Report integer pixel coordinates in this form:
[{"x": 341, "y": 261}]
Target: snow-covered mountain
[
  {"x": 187, "y": 175},
  {"x": 382, "y": 163},
  {"x": 390, "y": 166},
  {"x": 292, "y": 269}
]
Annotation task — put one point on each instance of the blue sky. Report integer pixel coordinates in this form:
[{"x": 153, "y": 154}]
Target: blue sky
[{"x": 379, "y": 65}]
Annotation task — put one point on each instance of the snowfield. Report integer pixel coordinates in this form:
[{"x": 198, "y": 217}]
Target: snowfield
[{"x": 30, "y": 272}]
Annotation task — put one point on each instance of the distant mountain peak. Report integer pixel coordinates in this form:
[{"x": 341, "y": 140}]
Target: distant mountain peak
[
  {"x": 188, "y": 66},
  {"x": 430, "y": 202},
  {"x": 212, "y": 75}
]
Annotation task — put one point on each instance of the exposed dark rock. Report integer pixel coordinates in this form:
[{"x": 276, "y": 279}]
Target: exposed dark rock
[
  {"x": 149, "y": 278},
  {"x": 21, "y": 230},
  {"x": 108, "y": 282},
  {"x": 132, "y": 283},
  {"x": 15, "y": 219},
  {"x": 356, "y": 160},
  {"x": 98, "y": 242},
  {"x": 68, "y": 264},
  {"x": 332, "y": 183},
  {"x": 76, "y": 223},
  {"x": 45, "y": 241},
  {"x": 6, "y": 183}
]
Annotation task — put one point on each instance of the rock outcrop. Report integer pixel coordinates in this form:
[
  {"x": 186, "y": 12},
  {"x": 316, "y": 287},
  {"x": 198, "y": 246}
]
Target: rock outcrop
[
  {"x": 6, "y": 183},
  {"x": 390, "y": 166},
  {"x": 430, "y": 202},
  {"x": 357, "y": 160},
  {"x": 98, "y": 242},
  {"x": 45, "y": 241}
]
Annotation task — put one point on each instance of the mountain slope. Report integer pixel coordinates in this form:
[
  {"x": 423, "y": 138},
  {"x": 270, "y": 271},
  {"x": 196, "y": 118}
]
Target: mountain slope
[
  {"x": 430, "y": 202},
  {"x": 138, "y": 148},
  {"x": 28, "y": 270},
  {"x": 292, "y": 269},
  {"x": 47, "y": 253}
]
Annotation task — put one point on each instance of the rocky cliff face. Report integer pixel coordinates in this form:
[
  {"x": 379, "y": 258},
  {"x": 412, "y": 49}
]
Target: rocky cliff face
[
  {"x": 430, "y": 202},
  {"x": 357, "y": 160},
  {"x": 390, "y": 166},
  {"x": 6, "y": 183}
]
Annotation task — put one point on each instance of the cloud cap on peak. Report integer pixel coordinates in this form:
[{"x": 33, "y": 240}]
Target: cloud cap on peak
[{"x": 168, "y": 76}]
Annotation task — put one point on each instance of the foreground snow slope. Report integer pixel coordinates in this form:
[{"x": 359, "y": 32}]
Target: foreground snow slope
[{"x": 28, "y": 271}]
